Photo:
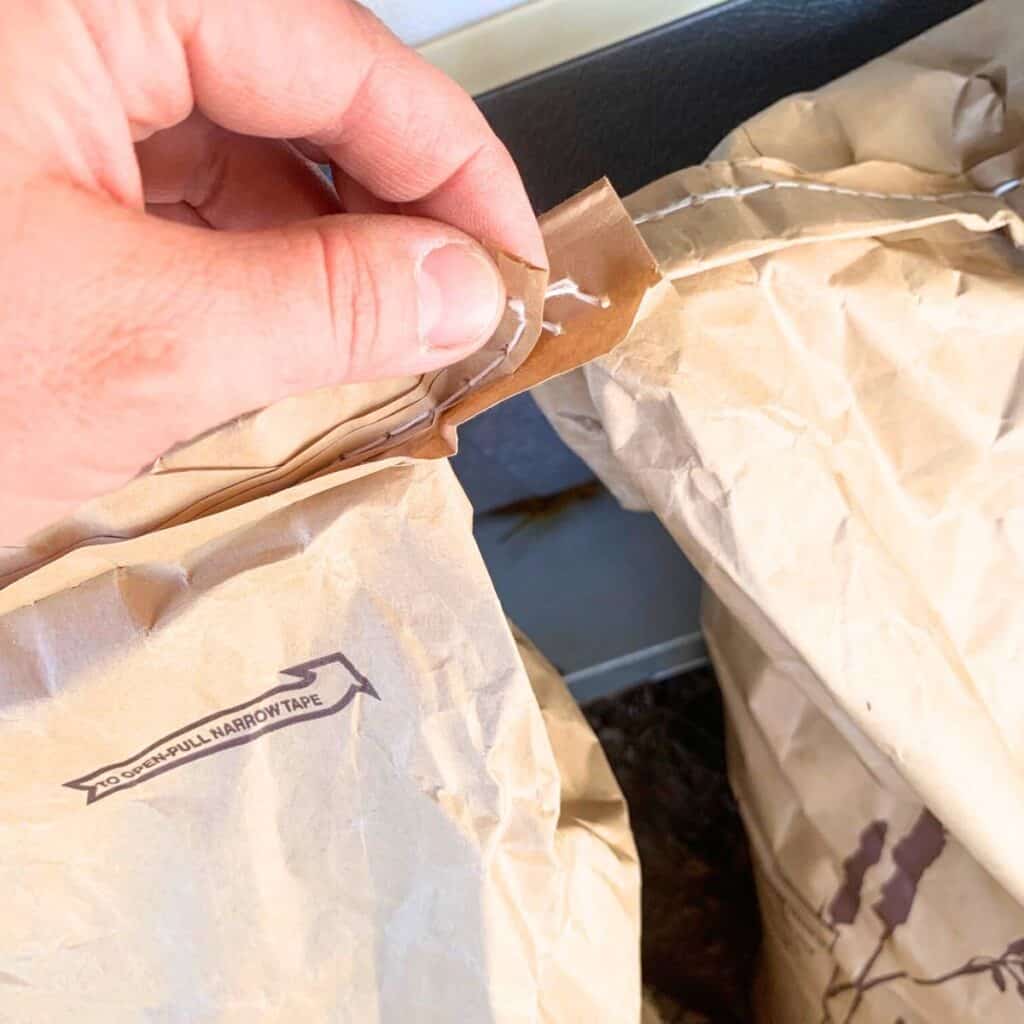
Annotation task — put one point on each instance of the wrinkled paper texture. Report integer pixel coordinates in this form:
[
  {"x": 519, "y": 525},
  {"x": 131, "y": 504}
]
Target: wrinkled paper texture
[
  {"x": 826, "y": 408},
  {"x": 271, "y": 751}
]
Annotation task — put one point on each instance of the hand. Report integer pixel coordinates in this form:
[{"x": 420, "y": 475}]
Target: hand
[{"x": 133, "y": 127}]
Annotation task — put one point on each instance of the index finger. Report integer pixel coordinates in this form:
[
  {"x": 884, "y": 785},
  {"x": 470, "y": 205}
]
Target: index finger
[{"x": 329, "y": 71}]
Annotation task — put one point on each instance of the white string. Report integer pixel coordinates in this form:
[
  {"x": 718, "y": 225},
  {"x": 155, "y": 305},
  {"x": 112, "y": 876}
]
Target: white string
[
  {"x": 564, "y": 287},
  {"x": 815, "y": 186}
]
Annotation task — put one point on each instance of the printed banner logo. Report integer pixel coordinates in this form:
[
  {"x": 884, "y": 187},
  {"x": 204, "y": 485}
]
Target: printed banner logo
[{"x": 323, "y": 687}]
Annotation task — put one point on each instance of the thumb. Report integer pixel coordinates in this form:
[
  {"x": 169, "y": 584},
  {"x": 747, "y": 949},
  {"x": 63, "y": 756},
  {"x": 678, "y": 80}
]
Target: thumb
[
  {"x": 126, "y": 334},
  {"x": 188, "y": 328},
  {"x": 337, "y": 299}
]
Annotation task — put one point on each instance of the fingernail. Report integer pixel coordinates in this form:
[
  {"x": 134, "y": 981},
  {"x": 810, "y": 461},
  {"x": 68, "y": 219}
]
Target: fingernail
[{"x": 461, "y": 298}]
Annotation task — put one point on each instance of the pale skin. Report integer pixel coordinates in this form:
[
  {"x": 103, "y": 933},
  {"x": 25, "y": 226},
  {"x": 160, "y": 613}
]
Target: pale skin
[{"x": 170, "y": 258}]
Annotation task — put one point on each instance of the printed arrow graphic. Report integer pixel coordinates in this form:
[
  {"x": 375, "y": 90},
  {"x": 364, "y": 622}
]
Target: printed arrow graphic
[{"x": 323, "y": 687}]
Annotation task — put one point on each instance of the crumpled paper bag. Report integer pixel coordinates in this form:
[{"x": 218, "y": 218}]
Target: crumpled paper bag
[
  {"x": 271, "y": 751},
  {"x": 824, "y": 405}
]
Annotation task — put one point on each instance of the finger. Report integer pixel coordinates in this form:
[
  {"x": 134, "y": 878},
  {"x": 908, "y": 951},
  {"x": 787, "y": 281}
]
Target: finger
[
  {"x": 232, "y": 181},
  {"x": 328, "y": 71},
  {"x": 314, "y": 153},
  {"x": 165, "y": 330},
  {"x": 356, "y": 197},
  {"x": 179, "y": 213}
]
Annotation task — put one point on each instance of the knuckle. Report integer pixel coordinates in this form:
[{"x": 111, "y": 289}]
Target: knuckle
[
  {"x": 352, "y": 300},
  {"x": 156, "y": 94}
]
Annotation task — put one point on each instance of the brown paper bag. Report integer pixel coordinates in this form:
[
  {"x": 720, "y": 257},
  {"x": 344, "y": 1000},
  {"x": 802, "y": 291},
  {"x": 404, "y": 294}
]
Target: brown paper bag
[
  {"x": 824, "y": 407},
  {"x": 270, "y": 750}
]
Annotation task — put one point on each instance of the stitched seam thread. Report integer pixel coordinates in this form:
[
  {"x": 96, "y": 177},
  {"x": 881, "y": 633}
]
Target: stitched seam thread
[
  {"x": 814, "y": 186},
  {"x": 563, "y": 288}
]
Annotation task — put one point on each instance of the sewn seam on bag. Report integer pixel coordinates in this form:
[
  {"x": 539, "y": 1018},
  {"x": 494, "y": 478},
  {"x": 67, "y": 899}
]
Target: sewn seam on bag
[
  {"x": 564, "y": 287},
  {"x": 742, "y": 192}
]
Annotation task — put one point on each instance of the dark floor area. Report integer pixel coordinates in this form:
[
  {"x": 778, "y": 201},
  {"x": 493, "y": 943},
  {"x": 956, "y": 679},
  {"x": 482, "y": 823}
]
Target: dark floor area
[{"x": 665, "y": 742}]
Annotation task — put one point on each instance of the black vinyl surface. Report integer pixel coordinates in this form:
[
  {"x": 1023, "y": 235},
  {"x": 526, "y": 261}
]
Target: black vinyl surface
[
  {"x": 641, "y": 109},
  {"x": 653, "y": 104},
  {"x": 634, "y": 112}
]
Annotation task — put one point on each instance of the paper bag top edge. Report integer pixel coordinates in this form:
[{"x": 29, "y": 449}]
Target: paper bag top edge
[{"x": 600, "y": 269}]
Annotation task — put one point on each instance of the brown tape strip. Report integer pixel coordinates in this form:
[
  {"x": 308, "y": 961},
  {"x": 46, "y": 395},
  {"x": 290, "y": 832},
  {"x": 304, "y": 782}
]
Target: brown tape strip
[{"x": 592, "y": 241}]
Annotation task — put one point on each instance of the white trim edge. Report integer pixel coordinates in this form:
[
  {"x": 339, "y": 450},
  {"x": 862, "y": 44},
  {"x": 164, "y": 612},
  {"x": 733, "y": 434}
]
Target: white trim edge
[
  {"x": 650, "y": 664},
  {"x": 543, "y": 34}
]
